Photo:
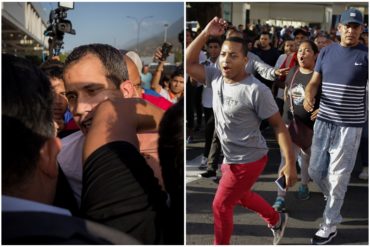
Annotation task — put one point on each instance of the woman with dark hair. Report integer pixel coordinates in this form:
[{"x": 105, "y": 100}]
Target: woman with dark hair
[{"x": 294, "y": 94}]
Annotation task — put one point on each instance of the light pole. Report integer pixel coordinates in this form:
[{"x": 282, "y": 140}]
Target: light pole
[
  {"x": 138, "y": 22},
  {"x": 165, "y": 32}
]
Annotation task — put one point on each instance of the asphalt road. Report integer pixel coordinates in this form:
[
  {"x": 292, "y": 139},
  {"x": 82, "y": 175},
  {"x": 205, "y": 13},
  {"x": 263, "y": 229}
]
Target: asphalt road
[{"x": 249, "y": 228}]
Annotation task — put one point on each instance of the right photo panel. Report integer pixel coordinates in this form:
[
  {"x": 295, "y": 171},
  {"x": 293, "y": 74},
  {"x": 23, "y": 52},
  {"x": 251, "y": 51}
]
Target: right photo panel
[{"x": 277, "y": 123}]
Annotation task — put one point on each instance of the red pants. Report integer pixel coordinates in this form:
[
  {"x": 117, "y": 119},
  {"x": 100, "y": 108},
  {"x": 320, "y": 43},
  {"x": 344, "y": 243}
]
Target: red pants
[{"x": 234, "y": 188}]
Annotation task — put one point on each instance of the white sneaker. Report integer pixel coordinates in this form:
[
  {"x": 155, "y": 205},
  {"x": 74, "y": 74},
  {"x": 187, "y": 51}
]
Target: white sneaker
[
  {"x": 324, "y": 235},
  {"x": 278, "y": 231},
  {"x": 364, "y": 175}
]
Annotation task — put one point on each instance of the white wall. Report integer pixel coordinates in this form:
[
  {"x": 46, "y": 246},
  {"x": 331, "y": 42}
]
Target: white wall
[
  {"x": 300, "y": 12},
  {"x": 25, "y": 17}
]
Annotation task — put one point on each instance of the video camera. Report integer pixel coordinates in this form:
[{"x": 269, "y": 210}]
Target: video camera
[{"x": 58, "y": 25}]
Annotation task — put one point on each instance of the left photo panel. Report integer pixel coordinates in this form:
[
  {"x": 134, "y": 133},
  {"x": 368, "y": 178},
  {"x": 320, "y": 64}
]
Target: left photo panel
[{"x": 92, "y": 123}]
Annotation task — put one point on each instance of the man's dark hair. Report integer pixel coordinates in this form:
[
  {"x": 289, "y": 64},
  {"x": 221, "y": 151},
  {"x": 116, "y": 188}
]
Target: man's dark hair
[
  {"x": 288, "y": 38},
  {"x": 27, "y": 118},
  {"x": 281, "y": 47},
  {"x": 241, "y": 41},
  {"x": 110, "y": 57},
  {"x": 53, "y": 69},
  {"x": 192, "y": 34},
  {"x": 214, "y": 40},
  {"x": 265, "y": 33},
  {"x": 178, "y": 72},
  {"x": 300, "y": 31},
  {"x": 163, "y": 79}
]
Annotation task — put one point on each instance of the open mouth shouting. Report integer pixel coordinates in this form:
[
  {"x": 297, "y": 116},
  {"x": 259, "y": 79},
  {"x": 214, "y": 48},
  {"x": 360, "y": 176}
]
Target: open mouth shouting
[{"x": 226, "y": 69}]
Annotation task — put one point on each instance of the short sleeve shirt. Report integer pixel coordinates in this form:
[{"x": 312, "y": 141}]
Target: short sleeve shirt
[
  {"x": 344, "y": 72},
  {"x": 239, "y": 109},
  {"x": 296, "y": 90}
]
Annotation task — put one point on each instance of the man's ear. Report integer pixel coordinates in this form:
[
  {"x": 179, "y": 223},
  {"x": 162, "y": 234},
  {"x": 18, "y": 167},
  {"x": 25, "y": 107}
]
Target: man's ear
[
  {"x": 48, "y": 157},
  {"x": 245, "y": 59},
  {"x": 339, "y": 27},
  {"x": 127, "y": 89}
]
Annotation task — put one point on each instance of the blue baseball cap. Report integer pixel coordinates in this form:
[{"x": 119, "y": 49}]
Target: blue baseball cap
[{"x": 351, "y": 15}]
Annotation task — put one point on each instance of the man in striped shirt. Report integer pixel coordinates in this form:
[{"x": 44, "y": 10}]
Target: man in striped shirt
[{"x": 342, "y": 71}]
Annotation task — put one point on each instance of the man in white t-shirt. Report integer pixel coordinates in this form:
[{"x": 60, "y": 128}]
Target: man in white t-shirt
[
  {"x": 240, "y": 103},
  {"x": 84, "y": 93}
]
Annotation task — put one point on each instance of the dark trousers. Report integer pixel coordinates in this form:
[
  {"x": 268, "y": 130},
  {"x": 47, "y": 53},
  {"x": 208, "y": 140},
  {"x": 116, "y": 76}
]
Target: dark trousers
[
  {"x": 190, "y": 105},
  {"x": 210, "y": 128},
  {"x": 198, "y": 105},
  {"x": 214, "y": 153}
]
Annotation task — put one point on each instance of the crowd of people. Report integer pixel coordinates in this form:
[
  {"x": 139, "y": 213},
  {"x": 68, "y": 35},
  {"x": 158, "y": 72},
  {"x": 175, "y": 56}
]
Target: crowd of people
[
  {"x": 304, "y": 84},
  {"x": 93, "y": 145},
  {"x": 102, "y": 156}
]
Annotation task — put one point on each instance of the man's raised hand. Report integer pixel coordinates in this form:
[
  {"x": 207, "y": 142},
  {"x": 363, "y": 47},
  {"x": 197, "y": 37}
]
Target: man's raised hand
[{"x": 216, "y": 27}]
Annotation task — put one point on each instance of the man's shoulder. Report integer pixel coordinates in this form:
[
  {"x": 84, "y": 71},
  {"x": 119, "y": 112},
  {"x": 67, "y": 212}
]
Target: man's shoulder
[
  {"x": 252, "y": 56},
  {"x": 334, "y": 48},
  {"x": 50, "y": 228},
  {"x": 253, "y": 83},
  {"x": 213, "y": 74},
  {"x": 362, "y": 48}
]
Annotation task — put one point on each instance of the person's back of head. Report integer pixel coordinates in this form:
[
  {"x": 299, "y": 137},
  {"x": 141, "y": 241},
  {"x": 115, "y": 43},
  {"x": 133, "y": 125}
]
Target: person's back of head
[
  {"x": 171, "y": 156},
  {"x": 133, "y": 73},
  {"x": 27, "y": 127},
  {"x": 110, "y": 57}
]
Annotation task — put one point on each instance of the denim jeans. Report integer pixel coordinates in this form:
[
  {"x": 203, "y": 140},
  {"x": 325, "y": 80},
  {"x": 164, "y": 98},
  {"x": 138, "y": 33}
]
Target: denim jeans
[{"x": 333, "y": 156}]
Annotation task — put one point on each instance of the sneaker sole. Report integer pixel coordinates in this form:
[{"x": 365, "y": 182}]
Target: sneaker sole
[
  {"x": 325, "y": 242},
  {"x": 283, "y": 229},
  {"x": 213, "y": 177},
  {"x": 282, "y": 210}
]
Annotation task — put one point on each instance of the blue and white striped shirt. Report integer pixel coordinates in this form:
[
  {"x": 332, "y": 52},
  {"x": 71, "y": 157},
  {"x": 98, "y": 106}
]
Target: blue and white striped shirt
[{"x": 344, "y": 72}]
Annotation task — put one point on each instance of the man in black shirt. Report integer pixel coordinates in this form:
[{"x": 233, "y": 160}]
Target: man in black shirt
[{"x": 267, "y": 53}]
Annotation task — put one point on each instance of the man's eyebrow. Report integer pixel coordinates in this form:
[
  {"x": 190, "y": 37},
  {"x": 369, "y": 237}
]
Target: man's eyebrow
[
  {"x": 85, "y": 85},
  {"x": 230, "y": 52},
  {"x": 92, "y": 85}
]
